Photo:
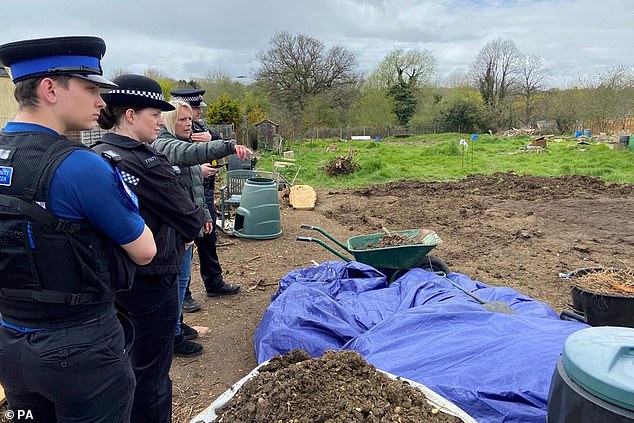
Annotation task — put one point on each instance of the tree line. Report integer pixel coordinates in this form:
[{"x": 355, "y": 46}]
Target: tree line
[{"x": 309, "y": 88}]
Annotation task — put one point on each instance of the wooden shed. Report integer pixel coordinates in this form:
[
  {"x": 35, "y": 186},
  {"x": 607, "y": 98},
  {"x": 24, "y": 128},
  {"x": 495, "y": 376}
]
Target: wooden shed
[{"x": 267, "y": 134}]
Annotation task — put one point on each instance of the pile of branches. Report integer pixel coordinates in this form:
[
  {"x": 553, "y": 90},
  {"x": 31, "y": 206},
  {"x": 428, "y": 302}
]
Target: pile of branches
[
  {"x": 521, "y": 131},
  {"x": 342, "y": 165}
]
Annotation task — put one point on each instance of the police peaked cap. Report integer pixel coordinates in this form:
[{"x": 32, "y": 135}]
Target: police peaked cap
[
  {"x": 193, "y": 96},
  {"x": 137, "y": 90},
  {"x": 76, "y": 56}
]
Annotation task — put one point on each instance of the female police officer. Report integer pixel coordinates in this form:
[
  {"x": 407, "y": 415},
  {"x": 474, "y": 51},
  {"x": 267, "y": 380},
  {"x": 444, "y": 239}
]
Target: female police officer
[
  {"x": 134, "y": 110},
  {"x": 63, "y": 210}
]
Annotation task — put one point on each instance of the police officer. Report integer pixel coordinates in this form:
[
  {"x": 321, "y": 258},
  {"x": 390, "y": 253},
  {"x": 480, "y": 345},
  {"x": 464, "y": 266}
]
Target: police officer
[
  {"x": 134, "y": 111},
  {"x": 68, "y": 230},
  {"x": 210, "y": 268}
]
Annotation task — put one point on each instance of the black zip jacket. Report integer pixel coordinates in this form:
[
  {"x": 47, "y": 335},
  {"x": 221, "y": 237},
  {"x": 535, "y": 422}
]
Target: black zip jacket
[{"x": 163, "y": 202}]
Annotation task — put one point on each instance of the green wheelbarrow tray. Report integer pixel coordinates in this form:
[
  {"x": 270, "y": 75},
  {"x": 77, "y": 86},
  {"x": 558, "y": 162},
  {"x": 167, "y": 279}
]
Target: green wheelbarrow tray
[{"x": 396, "y": 257}]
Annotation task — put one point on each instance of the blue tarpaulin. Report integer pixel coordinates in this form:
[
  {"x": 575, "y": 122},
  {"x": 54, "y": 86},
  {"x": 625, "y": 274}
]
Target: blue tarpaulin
[{"x": 497, "y": 367}]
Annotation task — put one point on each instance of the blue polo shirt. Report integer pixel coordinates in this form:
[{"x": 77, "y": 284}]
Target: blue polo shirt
[{"x": 85, "y": 187}]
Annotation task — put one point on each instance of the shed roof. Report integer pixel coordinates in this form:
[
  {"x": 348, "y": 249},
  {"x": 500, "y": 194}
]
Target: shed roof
[{"x": 266, "y": 120}]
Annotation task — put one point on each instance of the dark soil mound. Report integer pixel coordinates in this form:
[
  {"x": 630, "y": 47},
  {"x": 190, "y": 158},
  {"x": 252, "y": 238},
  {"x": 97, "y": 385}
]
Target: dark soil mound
[{"x": 339, "y": 387}]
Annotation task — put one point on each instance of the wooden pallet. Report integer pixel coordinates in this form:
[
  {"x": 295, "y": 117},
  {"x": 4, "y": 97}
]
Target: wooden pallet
[{"x": 302, "y": 197}]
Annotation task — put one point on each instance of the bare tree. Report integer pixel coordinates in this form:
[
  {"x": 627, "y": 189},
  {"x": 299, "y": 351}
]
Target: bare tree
[
  {"x": 297, "y": 68},
  {"x": 494, "y": 74},
  {"x": 532, "y": 80},
  {"x": 415, "y": 68},
  {"x": 612, "y": 97},
  {"x": 216, "y": 74},
  {"x": 155, "y": 72},
  {"x": 457, "y": 78},
  {"x": 117, "y": 72}
]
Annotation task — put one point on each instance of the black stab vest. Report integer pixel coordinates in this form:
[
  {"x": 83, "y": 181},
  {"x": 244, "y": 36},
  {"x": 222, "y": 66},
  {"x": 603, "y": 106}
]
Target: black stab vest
[{"x": 53, "y": 272}]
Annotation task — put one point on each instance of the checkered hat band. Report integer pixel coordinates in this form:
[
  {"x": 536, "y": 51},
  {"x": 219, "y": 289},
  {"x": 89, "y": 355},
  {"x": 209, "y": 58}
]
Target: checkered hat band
[
  {"x": 188, "y": 98},
  {"x": 148, "y": 94}
]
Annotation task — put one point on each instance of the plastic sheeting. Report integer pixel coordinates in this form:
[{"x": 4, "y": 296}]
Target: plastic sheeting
[{"x": 497, "y": 367}]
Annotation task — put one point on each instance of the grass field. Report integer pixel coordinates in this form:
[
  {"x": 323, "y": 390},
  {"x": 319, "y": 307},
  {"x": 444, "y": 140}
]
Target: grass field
[{"x": 442, "y": 157}]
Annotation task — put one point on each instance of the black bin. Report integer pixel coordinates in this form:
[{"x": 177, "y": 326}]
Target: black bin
[
  {"x": 594, "y": 378},
  {"x": 569, "y": 403}
]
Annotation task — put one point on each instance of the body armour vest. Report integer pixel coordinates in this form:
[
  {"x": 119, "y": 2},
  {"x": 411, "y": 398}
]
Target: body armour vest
[{"x": 55, "y": 273}]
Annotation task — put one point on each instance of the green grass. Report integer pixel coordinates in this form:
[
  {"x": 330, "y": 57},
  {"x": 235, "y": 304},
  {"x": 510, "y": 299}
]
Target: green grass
[{"x": 440, "y": 157}]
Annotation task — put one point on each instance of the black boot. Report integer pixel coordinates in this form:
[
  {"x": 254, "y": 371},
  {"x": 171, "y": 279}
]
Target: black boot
[
  {"x": 186, "y": 348},
  {"x": 190, "y": 305},
  {"x": 225, "y": 289},
  {"x": 188, "y": 332}
]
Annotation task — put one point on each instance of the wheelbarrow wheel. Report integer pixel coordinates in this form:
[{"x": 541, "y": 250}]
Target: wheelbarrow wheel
[{"x": 435, "y": 264}]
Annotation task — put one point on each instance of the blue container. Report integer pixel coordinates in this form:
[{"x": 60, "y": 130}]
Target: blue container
[
  {"x": 377, "y": 139},
  {"x": 578, "y": 134},
  {"x": 587, "y": 133}
]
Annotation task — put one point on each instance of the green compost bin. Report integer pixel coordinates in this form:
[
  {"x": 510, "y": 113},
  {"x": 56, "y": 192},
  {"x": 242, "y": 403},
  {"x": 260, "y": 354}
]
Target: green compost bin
[
  {"x": 258, "y": 215},
  {"x": 631, "y": 143}
]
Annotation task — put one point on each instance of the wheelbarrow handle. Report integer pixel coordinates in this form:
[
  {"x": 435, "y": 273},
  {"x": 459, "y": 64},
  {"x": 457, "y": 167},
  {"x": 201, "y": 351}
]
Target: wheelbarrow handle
[
  {"x": 323, "y": 244},
  {"x": 326, "y": 234}
]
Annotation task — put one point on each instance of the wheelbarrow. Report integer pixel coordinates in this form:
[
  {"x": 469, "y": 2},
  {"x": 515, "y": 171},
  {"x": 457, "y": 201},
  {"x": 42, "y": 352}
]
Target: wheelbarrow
[{"x": 397, "y": 258}]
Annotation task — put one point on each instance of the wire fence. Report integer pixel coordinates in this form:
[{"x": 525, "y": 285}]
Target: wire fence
[
  {"x": 612, "y": 126},
  {"x": 365, "y": 131}
]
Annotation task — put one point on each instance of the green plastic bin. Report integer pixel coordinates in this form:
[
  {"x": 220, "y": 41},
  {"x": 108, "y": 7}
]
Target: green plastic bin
[{"x": 258, "y": 216}]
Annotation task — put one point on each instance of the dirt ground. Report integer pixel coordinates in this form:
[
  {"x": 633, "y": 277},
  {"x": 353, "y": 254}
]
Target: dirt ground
[{"x": 502, "y": 229}]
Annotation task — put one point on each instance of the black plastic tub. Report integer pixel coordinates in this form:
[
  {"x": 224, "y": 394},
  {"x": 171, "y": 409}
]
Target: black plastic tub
[
  {"x": 569, "y": 403},
  {"x": 600, "y": 309}
]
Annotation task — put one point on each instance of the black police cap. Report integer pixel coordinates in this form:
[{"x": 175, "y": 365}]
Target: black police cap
[
  {"x": 137, "y": 90},
  {"x": 78, "y": 56},
  {"x": 193, "y": 96}
]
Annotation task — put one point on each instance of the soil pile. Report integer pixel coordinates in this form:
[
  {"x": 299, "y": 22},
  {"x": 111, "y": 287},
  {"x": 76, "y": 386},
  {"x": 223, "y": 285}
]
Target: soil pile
[
  {"x": 339, "y": 387},
  {"x": 394, "y": 239}
]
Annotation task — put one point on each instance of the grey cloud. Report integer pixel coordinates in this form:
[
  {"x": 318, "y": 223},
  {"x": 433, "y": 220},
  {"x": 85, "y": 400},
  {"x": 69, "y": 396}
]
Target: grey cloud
[{"x": 572, "y": 36}]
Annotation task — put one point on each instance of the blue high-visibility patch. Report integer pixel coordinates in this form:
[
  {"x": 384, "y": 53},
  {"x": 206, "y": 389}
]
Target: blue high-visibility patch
[{"x": 6, "y": 173}]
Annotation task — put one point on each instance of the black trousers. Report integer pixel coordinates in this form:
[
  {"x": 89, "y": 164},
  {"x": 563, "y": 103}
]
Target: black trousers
[
  {"x": 152, "y": 307},
  {"x": 82, "y": 373},
  {"x": 210, "y": 269}
]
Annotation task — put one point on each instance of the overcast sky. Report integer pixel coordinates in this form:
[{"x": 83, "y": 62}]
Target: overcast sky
[{"x": 188, "y": 39}]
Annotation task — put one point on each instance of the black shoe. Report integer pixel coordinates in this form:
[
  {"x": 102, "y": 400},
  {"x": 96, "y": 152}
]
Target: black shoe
[
  {"x": 190, "y": 305},
  {"x": 226, "y": 289},
  {"x": 188, "y": 332},
  {"x": 186, "y": 348}
]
